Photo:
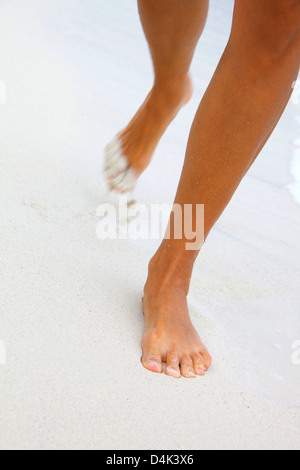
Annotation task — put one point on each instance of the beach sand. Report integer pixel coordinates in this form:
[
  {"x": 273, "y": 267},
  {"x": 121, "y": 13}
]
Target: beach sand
[{"x": 71, "y": 317}]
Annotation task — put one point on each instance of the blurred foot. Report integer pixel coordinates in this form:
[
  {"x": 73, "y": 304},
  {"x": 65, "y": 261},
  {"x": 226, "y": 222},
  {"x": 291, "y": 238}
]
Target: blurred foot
[{"x": 130, "y": 153}]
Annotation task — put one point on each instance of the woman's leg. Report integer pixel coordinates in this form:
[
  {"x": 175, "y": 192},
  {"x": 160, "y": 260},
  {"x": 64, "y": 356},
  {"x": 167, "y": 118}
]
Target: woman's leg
[
  {"x": 239, "y": 111},
  {"x": 172, "y": 29}
]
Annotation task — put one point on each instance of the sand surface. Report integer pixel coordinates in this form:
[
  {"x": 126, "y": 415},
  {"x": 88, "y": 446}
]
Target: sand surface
[{"x": 75, "y": 72}]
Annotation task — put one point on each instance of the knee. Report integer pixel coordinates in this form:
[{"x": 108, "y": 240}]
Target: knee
[{"x": 270, "y": 28}]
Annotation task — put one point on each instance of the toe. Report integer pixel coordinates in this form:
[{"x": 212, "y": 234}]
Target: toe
[
  {"x": 207, "y": 359},
  {"x": 152, "y": 362},
  {"x": 172, "y": 367},
  {"x": 187, "y": 368},
  {"x": 126, "y": 181},
  {"x": 198, "y": 363}
]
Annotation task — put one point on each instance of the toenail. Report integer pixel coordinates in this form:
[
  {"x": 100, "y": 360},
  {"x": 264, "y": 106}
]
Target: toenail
[
  {"x": 151, "y": 362},
  {"x": 190, "y": 374},
  {"x": 173, "y": 371}
]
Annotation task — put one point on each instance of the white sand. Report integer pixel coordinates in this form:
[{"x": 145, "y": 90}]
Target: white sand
[{"x": 75, "y": 71}]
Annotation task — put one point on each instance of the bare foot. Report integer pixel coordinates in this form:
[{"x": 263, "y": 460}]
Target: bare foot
[
  {"x": 139, "y": 140},
  {"x": 169, "y": 335}
]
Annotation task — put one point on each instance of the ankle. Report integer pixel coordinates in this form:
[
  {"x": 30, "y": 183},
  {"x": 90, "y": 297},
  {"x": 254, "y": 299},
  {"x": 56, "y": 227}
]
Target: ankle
[
  {"x": 165, "y": 273},
  {"x": 176, "y": 91}
]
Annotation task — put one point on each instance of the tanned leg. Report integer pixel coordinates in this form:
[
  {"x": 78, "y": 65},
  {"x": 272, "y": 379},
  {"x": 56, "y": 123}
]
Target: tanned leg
[
  {"x": 172, "y": 29},
  {"x": 239, "y": 111}
]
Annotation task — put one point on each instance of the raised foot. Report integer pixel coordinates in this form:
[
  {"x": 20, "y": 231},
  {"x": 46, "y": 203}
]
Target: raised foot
[
  {"x": 170, "y": 337},
  {"x": 131, "y": 151}
]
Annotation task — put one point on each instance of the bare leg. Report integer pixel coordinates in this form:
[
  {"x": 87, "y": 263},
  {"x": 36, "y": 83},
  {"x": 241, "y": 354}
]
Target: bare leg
[
  {"x": 239, "y": 111},
  {"x": 172, "y": 29}
]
